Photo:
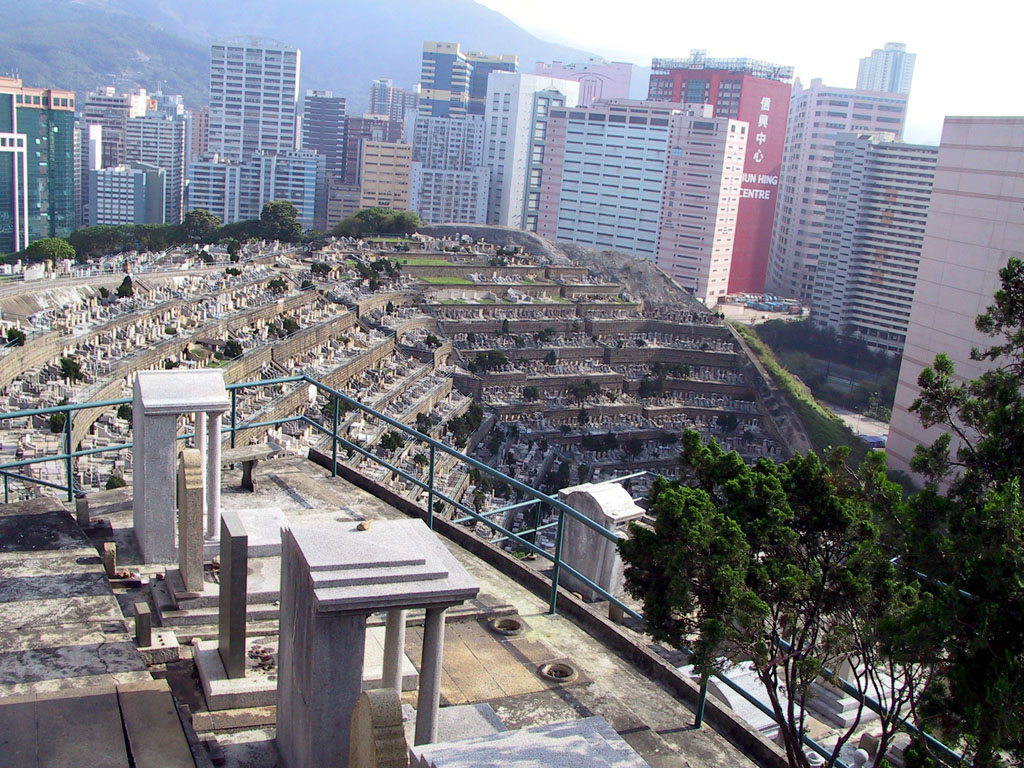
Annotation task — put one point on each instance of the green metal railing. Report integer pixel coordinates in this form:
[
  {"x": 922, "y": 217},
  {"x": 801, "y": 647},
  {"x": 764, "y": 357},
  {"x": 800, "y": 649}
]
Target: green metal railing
[{"x": 536, "y": 500}]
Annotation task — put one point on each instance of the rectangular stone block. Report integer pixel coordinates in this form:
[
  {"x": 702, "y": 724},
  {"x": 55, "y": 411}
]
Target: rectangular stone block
[
  {"x": 234, "y": 566},
  {"x": 190, "y": 519}
]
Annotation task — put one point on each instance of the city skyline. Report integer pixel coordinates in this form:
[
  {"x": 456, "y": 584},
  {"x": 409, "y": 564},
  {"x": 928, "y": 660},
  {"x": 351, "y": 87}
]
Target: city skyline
[{"x": 943, "y": 84}]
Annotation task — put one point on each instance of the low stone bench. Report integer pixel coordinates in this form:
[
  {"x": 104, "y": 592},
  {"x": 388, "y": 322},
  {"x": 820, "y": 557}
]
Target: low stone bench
[{"x": 249, "y": 456}]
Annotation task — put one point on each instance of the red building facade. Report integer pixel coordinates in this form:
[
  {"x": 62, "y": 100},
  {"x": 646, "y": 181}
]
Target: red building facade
[{"x": 758, "y": 93}]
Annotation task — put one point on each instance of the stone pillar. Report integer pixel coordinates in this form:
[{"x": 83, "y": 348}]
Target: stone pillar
[
  {"x": 429, "y": 699},
  {"x": 394, "y": 650},
  {"x": 213, "y": 476},
  {"x": 200, "y": 443},
  {"x": 231, "y": 604},
  {"x": 190, "y": 520},
  {"x": 153, "y": 503}
]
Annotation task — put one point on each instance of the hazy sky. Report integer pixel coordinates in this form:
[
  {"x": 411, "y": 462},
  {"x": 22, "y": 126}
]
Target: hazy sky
[{"x": 968, "y": 54}]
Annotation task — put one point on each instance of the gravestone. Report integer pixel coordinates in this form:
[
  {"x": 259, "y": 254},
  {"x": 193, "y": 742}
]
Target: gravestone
[
  {"x": 378, "y": 735},
  {"x": 190, "y": 519},
  {"x": 596, "y": 556},
  {"x": 231, "y": 606}
]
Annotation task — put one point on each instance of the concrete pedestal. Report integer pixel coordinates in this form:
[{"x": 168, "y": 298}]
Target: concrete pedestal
[{"x": 332, "y": 578}]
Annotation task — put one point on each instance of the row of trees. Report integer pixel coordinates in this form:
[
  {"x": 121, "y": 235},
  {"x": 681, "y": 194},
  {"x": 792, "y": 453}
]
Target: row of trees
[
  {"x": 278, "y": 221},
  {"x": 806, "y": 565}
]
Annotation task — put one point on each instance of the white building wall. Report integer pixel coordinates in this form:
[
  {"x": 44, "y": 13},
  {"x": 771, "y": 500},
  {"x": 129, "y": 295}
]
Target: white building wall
[
  {"x": 512, "y": 120},
  {"x": 700, "y": 201},
  {"x": 254, "y": 97}
]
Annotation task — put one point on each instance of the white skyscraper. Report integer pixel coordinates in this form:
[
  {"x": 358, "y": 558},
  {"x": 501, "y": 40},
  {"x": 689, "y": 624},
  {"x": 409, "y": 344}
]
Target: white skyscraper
[
  {"x": 817, "y": 116},
  {"x": 871, "y": 243},
  {"x": 254, "y": 97},
  {"x": 159, "y": 139},
  {"x": 888, "y": 69},
  {"x": 516, "y": 119},
  {"x": 449, "y": 181}
]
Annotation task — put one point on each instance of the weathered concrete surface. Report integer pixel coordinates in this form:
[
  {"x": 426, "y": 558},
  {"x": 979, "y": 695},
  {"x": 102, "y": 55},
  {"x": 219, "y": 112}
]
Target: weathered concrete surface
[{"x": 60, "y": 625}]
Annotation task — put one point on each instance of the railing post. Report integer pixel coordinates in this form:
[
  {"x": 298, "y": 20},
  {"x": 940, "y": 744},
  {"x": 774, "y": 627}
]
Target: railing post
[
  {"x": 70, "y": 458},
  {"x": 6, "y": 489},
  {"x": 557, "y": 570},
  {"x": 430, "y": 491},
  {"x": 234, "y": 415},
  {"x": 334, "y": 437},
  {"x": 698, "y": 721}
]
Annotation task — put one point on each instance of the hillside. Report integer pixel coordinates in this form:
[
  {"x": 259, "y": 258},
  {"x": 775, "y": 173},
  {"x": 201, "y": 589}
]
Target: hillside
[{"x": 80, "y": 44}]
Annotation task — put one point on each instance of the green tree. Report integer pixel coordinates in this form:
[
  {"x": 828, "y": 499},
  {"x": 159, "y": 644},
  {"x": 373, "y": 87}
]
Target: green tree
[
  {"x": 232, "y": 350},
  {"x": 970, "y": 539},
  {"x": 126, "y": 289},
  {"x": 71, "y": 369},
  {"x": 377, "y": 221},
  {"x": 115, "y": 481},
  {"x": 278, "y": 285},
  {"x": 49, "y": 249},
  {"x": 392, "y": 440},
  {"x": 124, "y": 411},
  {"x": 279, "y": 220},
  {"x": 15, "y": 337},
  {"x": 200, "y": 226},
  {"x": 781, "y": 564},
  {"x": 531, "y": 393}
]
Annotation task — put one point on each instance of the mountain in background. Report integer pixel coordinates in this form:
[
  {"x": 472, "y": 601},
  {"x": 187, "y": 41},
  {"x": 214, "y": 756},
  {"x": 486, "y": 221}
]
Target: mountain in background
[{"x": 82, "y": 44}]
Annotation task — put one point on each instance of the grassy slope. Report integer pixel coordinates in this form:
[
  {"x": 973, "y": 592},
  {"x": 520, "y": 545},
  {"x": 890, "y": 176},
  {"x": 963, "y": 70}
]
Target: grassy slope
[{"x": 825, "y": 429}]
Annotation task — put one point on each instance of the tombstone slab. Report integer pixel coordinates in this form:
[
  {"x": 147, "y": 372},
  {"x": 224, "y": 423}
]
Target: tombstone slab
[
  {"x": 596, "y": 556},
  {"x": 190, "y": 519}
]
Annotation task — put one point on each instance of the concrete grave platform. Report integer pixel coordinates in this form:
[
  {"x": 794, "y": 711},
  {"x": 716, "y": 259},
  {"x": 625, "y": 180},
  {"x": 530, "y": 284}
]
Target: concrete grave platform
[
  {"x": 263, "y": 525},
  {"x": 259, "y": 687},
  {"x": 462, "y": 721}
]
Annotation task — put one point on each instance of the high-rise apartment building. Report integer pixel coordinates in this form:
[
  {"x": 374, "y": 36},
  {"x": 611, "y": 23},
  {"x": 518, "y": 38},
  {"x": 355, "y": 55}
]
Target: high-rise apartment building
[
  {"x": 391, "y": 102},
  {"x": 106, "y": 107},
  {"x": 518, "y": 107},
  {"x": 323, "y": 128},
  {"x": 158, "y": 139},
  {"x": 975, "y": 224},
  {"x": 365, "y": 128},
  {"x": 254, "y": 97},
  {"x": 37, "y": 158},
  {"x": 889, "y": 69},
  {"x": 659, "y": 180},
  {"x": 384, "y": 175},
  {"x": 758, "y": 93},
  {"x": 598, "y": 79},
  {"x": 817, "y": 116},
  {"x": 454, "y": 83},
  {"x": 700, "y": 201},
  {"x": 127, "y": 194},
  {"x": 88, "y": 157},
  {"x": 872, "y": 235},
  {"x": 197, "y": 123},
  {"x": 450, "y": 182},
  {"x": 238, "y": 191}
]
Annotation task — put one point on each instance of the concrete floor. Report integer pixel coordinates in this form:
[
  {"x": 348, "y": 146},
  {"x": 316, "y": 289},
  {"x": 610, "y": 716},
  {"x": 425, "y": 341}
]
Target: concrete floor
[{"x": 479, "y": 666}]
